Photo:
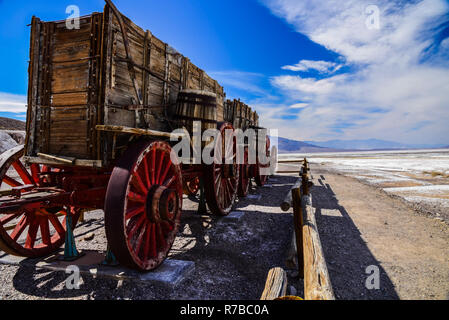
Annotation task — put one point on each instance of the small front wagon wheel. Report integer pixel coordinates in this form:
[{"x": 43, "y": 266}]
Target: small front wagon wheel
[
  {"x": 143, "y": 205},
  {"x": 30, "y": 230}
]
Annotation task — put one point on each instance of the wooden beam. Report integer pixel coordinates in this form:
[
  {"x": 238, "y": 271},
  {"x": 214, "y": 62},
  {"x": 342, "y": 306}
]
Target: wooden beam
[
  {"x": 136, "y": 131},
  {"x": 78, "y": 162},
  {"x": 317, "y": 284},
  {"x": 287, "y": 203},
  {"x": 51, "y": 157},
  {"x": 276, "y": 284},
  {"x": 290, "y": 161},
  {"x": 298, "y": 223}
]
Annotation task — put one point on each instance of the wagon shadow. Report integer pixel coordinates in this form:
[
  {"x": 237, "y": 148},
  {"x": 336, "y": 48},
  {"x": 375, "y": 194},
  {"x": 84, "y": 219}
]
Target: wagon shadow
[
  {"x": 51, "y": 284},
  {"x": 346, "y": 252}
]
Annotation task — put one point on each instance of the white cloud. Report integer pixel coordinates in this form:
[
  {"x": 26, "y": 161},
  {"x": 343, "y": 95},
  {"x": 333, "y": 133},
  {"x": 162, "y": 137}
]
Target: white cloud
[
  {"x": 392, "y": 92},
  {"x": 12, "y": 103},
  {"x": 298, "y": 106},
  {"x": 320, "y": 66}
]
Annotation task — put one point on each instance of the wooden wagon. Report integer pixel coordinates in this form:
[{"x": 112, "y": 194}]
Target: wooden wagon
[{"x": 102, "y": 101}]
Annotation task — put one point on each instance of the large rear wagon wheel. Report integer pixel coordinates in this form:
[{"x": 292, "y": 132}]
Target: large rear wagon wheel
[
  {"x": 221, "y": 180},
  {"x": 30, "y": 231},
  {"x": 143, "y": 205}
]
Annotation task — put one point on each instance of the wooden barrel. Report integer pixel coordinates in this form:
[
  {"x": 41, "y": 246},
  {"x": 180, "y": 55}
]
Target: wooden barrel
[{"x": 196, "y": 105}]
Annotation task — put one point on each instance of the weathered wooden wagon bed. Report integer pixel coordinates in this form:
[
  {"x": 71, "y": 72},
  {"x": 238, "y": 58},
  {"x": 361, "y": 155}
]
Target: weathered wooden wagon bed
[{"x": 102, "y": 102}]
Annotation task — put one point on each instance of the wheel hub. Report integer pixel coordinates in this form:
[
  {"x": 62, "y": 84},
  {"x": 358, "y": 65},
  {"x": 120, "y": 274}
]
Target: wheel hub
[{"x": 161, "y": 204}]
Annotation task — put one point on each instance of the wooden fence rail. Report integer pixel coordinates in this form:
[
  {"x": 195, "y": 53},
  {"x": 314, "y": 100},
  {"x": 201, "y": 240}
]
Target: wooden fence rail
[{"x": 306, "y": 243}]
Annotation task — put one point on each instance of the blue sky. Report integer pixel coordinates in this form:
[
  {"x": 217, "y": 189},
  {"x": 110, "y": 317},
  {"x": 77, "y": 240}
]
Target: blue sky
[{"x": 313, "y": 71}]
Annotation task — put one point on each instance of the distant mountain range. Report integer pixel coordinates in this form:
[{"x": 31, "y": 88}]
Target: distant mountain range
[{"x": 287, "y": 145}]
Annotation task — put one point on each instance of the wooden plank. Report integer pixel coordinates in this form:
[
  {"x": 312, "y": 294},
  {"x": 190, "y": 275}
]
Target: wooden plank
[
  {"x": 287, "y": 202},
  {"x": 51, "y": 157},
  {"x": 276, "y": 284},
  {"x": 317, "y": 284},
  {"x": 298, "y": 225},
  {"x": 136, "y": 131},
  {"x": 78, "y": 162}
]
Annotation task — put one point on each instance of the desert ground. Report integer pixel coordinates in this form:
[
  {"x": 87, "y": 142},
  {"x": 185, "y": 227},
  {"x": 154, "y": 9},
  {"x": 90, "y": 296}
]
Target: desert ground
[
  {"x": 361, "y": 223},
  {"x": 420, "y": 177}
]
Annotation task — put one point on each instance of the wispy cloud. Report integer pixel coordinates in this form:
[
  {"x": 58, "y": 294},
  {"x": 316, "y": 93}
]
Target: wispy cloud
[
  {"x": 12, "y": 103},
  {"x": 320, "y": 66},
  {"x": 397, "y": 87}
]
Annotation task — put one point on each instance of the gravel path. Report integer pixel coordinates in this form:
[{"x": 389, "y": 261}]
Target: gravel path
[
  {"x": 232, "y": 259},
  {"x": 361, "y": 225}
]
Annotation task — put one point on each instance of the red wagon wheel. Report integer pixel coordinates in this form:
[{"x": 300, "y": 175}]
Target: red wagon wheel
[
  {"x": 220, "y": 179},
  {"x": 143, "y": 205},
  {"x": 260, "y": 178},
  {"x": 191, "y": 187},
  {"x": 244, "y": 176},
  {"x": 30, "y": 231}
]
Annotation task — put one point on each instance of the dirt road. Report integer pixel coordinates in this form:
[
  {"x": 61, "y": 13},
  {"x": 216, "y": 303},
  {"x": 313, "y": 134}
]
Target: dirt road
[{"x": 361, "y": 225}]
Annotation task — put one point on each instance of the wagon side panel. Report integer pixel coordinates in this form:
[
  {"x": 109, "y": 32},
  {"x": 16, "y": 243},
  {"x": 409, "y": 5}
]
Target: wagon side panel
[{"x": 63, "y": 98}]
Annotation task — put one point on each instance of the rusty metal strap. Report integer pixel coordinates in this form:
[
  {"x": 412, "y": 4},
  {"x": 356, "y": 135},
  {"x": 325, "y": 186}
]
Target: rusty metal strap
[
  {"x": 132, "y": 72},
  {"x": 120, "y": 59}
]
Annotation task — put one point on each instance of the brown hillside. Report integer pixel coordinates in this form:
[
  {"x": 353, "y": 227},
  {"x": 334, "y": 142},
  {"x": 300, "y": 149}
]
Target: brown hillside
[{"x": 11, "y": 124}]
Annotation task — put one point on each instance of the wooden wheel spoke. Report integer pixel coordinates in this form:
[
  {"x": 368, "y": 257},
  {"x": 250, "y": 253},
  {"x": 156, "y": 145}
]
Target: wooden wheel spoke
[
  {"x": 140, "y": 238},
  {"x": 146, "y": 247},
  {"x": 140, "y": 183},
  {"x": 159, "y": 168},
  {"x": 147, "y": 172},
  {"x": 136, "y": 197},
  {"x": 9, "y": 217},
  {"x": 23, "y": 172},
  {"x": 164, "y": 175},
  {"x": 11, "y": 182},
  {"x": 133, "y": 212},
  {"x": 32, "y": 233},
  {"x": 153, "y": 245},
  {"x": 162, "y": 244},
  {"x": 35, "y": 170},
  {"x": 20, "y": 227},
  {"x": 218, "y": 184},
  {"x": 169, "y": 181},
  {"x": 57, "y": 225},
  {"x": 45, "y": 231},
  {"x": 136, "y": 226},
  {"x": 153, "y": 166}
]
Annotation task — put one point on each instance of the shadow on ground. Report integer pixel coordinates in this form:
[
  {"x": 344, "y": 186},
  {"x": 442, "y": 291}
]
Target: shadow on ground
[
  {"x": 232, "y": 257},
  {"x": 347, "y": 254}
]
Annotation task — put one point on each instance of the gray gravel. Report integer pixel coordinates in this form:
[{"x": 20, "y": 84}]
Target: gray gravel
[{"x": 232, "y": 259}]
